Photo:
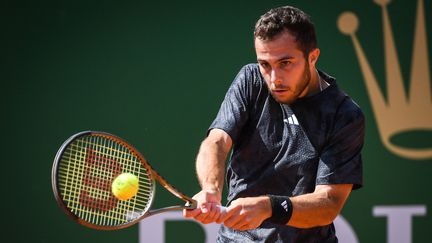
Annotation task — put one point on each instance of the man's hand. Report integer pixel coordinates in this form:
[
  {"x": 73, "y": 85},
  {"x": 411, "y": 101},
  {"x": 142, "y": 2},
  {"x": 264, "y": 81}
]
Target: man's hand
[
  {"x": 208, "y": 207},
  {"x": 246, "y": 213}
]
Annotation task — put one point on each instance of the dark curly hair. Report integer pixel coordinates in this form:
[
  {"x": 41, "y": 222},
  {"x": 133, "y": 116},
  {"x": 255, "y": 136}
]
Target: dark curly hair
[{"x": 291, "y": 19}]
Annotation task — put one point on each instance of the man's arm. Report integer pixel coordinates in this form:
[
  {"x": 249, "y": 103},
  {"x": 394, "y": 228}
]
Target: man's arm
[
  {"x": 210, "y": 161},
  {"x": 309, "y": 210},
  {"x": 210, "y": 169},
  {"x": 320, "y": 207}
]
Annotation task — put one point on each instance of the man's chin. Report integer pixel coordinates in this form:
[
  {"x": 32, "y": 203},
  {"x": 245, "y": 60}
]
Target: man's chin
[{"x": 284, "y": 100}]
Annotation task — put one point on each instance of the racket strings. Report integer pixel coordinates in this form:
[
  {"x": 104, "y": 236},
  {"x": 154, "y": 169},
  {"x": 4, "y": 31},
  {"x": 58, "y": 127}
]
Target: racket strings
[{"x": 86, "y": 171}]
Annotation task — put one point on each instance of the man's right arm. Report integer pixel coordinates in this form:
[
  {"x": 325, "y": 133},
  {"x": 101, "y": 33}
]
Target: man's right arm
[{"x": 210, "y": 169}]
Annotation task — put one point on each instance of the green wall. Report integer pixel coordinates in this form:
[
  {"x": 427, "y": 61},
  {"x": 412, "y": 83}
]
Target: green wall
[{"x": 155, "y": 73}]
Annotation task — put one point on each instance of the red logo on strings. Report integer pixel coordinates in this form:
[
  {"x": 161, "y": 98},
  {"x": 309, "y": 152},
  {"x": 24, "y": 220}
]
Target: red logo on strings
[{"x": 106, "y": 166}]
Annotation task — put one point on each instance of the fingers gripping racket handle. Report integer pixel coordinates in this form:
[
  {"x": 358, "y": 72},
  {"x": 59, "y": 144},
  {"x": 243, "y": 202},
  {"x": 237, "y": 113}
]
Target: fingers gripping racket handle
[{"x": 191, "y": 204}]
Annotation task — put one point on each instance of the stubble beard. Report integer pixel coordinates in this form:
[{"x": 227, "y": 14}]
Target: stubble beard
[{"x": 306, "y": 77}]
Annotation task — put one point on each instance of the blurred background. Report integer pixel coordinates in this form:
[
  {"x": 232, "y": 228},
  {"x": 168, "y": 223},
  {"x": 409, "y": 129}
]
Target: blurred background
[{"x": 155, "y": 72}]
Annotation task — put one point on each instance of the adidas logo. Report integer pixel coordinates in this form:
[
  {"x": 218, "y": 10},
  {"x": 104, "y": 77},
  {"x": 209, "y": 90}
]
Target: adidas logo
[
  {"x": 401, "y": 110},
  {"x": 284, "y": 204},
  {"x": 292, "y": 120}
]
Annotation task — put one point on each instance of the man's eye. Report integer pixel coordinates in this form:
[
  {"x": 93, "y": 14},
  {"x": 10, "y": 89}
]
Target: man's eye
[
  {"x": 264, "y": 65},
  {"x": 284, "y": 63}
]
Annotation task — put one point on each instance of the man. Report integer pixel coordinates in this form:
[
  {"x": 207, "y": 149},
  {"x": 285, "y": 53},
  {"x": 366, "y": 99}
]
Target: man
[{"x": 295, "y": 138}]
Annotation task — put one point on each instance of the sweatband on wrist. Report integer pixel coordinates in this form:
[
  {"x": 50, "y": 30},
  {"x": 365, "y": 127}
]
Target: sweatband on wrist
[{"x": 281, "y": 209}]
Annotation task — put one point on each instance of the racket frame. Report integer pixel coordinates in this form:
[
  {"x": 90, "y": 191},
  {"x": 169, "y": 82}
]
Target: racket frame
[{"x": 147, "y": 212}]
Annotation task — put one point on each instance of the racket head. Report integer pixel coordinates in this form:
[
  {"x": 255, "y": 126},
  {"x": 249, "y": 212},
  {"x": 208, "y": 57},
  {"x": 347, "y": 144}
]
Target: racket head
[{"x": 82, "y": 174}]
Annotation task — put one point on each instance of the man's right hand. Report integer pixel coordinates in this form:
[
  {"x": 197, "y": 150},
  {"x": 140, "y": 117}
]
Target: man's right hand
[{"x": 208, "y": 206}]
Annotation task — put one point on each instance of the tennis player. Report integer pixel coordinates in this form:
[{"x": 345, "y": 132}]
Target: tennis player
[{"x": 296, "y": 142}]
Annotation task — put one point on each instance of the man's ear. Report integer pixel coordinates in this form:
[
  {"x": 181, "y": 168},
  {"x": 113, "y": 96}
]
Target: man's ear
[{"x": 313, "y": 57}]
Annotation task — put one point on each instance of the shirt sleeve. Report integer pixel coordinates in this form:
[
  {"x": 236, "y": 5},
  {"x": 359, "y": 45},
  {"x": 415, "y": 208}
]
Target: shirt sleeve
[
  {"x": 233, "y": 113},
  {"x": 340, "y": 161}
]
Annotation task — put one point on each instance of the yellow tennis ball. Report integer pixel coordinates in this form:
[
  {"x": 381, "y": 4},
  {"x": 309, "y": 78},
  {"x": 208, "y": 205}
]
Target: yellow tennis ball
[{"x": 125, "y": 186}]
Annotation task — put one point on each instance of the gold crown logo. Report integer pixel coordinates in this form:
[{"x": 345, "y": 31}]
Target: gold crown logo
[{"x": 400, "y": 113}]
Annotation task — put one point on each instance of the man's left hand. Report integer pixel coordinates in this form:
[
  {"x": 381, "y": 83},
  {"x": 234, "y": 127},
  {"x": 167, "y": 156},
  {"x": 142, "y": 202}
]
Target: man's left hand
[{"x": 246, "y": 213}]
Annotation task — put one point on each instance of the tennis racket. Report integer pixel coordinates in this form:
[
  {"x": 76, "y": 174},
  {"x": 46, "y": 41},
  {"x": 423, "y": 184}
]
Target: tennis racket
[{"x": 82, "y": 174}]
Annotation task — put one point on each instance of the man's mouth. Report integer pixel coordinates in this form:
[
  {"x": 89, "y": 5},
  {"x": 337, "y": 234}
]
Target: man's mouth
[{"x": 279, "y": 91}]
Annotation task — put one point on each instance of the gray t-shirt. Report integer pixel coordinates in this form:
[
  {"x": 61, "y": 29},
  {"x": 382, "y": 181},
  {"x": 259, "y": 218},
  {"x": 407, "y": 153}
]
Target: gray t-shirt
[{"x": 287, "y": 150}]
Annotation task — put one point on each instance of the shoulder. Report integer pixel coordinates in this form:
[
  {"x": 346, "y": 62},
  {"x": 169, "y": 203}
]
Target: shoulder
[
  {"x": 334, "y": 109},
  {"x": 249, "y": 81},
  {"x": 339, "y": 102},
  {"x": 340, "y": 110},
  {"x": 250, "y": 72},
  {"x": 251, "y": 67},
  {"x": 346, "y": 110},
  {"x": 350, "y": 109},
  {"x": 345, "y": 119}
]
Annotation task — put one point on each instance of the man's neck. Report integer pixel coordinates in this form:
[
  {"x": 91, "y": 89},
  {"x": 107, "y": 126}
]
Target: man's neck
[{"x": 315, "y": 85}]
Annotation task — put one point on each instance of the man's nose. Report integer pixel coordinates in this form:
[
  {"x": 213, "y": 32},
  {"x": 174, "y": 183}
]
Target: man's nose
[{"x": 274, "y": 77}]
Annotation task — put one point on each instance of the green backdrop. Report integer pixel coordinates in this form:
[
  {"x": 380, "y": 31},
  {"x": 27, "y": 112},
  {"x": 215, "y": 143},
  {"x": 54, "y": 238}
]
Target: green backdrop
[{"x": 155, "y": 73}]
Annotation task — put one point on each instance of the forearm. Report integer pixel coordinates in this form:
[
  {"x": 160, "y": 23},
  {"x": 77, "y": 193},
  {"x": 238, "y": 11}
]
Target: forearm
[
  {"x": 320, "y": 207},
  {"x": 309, "y": 210},
  {"x": 210, "y": 166},
  {"x": 210, "y": 161}
]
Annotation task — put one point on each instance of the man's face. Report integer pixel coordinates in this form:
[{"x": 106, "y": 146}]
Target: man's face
[{"x": 285, "y": 68}]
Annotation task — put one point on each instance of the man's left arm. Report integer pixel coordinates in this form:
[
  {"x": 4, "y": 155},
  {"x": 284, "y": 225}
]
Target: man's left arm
[
  {"x": 320, "y": 207},
  {"x": 308, "y": 210}
]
